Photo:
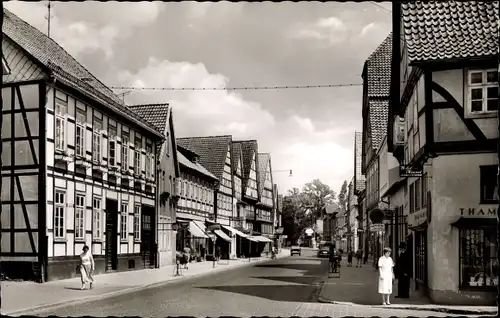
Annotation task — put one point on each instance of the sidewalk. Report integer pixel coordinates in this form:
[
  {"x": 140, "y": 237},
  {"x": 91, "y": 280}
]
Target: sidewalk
[
  {"x": 20, "y": 298},
  {"x": 359, "y": 286}
]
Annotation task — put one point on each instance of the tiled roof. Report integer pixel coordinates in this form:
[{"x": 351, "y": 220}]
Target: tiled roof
[
  {"x": 262, "y": 160},
  {"x": 183, "y": 161},
  {"x": 436, "y": 30},
  {"x": 379, "y": 112},
  {"x": 235, "y": 156},
  {"x": 358, "y": 149},
  {"x": 155, "y": 114},
  {"x": 212, "y": 151},
  {"x": 248, "y": 149},
  {"x": 63, "y": 66},
  {"x": 379, "y": 69}
]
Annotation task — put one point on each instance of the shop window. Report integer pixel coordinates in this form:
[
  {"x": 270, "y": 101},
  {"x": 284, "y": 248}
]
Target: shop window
[
  {"x": 421, "y": 257},
  {"x": 478, "y": 262},
  {"x": 488, "y": 183}
]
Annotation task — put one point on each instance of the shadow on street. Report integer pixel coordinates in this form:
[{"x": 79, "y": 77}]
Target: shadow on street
[
  {"x": 308, "y": 269},
  {"x": 291, "y": 293},
  {"x": 305, "y": 280}
]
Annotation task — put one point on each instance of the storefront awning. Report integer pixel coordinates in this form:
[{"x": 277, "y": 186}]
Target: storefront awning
[
  {"x": 222, "y": 235},
  {"x": 234, "y": 231},
  {"x": 262, "y": 239},
  {"x": 474, "y": 222},
  {"x": 201, "y": 225},
  {"x": 196, "y": 231},
  {"x": 252, "y": 238}
]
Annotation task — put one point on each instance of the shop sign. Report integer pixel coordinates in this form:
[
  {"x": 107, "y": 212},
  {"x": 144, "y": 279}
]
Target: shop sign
[
  {"x": 212, "y": 236},
  {"x": 478, "y": 212},
  {"x": 211, "y": 216},
  {"x": 417, "y": 218},
  {"x": 309, "y": 232},
  {"x": 214, "y": 227},
  {"x": 377, "y": 227},
  {"x": 279, "y": 230},
  {"x": 285, "y": 236}
]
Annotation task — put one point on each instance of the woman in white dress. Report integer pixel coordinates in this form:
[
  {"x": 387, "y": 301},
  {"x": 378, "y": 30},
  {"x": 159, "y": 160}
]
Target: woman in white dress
[
  {"x": 87, "y": 267},
  {"x": 386, "y": 276}
]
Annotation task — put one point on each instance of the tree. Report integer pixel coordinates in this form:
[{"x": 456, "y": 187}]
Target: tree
[
  {"x": 293, "y": 215},
  {"x": 317, "y": 196},
  {"x": 343, "y": 199}
]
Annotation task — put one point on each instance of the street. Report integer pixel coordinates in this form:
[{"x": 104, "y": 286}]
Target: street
[{"x": 283, "y": 287}]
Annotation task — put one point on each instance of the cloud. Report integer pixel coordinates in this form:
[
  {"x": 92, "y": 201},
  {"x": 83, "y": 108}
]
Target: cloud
[
  {"x": 197, "y": 10},
  {"x": 330, "y": 30},
  {"x": 293, "y": 141},
  {"x": 92, "y": 26}
]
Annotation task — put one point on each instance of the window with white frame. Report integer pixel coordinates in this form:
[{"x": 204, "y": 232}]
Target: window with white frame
[
  {"x": 61, "y": 110},
  {"x": 123, "y": 222},
  {"x": 80, "y": 216},
  {"x": 482, "y": 91},
  {"x": 96, "y": 140},
  {"x": 125, "y": 150},
  {"x": 137, "y": 222},
  {"x": 149, "y": 160},
  {"x": 97, "y": 218},
  {"x": 112, "y": 145},
  {"x": 60, "y": 214},
  {"x": 137, "y": 155},
  {"x": 81, "y": 118}
]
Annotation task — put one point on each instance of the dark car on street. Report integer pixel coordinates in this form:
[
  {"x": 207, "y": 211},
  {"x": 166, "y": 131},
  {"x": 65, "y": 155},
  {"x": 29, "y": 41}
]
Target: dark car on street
[
  {"x": 295, "y": 250},
  {"x": 324, "y": 252}
]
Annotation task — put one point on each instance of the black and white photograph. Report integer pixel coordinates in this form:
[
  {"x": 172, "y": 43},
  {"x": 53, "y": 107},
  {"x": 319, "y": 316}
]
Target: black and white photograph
[{"x": 280, "y": 159}]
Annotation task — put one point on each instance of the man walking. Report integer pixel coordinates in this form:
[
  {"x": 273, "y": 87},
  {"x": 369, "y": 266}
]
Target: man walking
[{"x": 403, "y": 269}]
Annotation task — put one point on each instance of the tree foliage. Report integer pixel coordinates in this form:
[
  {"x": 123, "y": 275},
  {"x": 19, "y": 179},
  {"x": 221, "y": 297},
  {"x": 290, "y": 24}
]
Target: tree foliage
[
  {"x": 301, "y": 209},
  {"x": 343, "y": 196}
]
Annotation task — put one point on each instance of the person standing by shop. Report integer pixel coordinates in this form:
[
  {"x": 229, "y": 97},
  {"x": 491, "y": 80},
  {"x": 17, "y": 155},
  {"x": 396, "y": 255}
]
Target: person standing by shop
[
  {"x": 403, "y": 268},
  {"x": 359, "y": 256},
  {"x": 349, "y": 258},
  {"x": 386, "y": 276}
]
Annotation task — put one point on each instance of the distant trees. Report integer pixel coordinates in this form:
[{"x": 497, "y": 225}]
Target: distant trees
[{"x": 301, "y": 209}]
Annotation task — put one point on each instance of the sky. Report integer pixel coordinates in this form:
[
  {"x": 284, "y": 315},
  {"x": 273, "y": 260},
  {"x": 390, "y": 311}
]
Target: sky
[{"x": 205, "y": 44}]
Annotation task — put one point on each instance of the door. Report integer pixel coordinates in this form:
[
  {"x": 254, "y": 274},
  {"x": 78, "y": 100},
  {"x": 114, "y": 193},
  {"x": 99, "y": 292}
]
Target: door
[
  {"x": 111, "y": 234},
  {"x": 148, "y": 249}
]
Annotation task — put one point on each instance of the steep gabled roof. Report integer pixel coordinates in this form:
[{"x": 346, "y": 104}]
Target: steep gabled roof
[
  {"x": 263, "y": 160},
  {"x": 236, "y": 157},
  {"x": 183, "y": 161},
  {"x": 248, "y": 149},
  {"x": 358, "y": 175},
  {"x": 155, "y": 114},
  {"x": 64, "y": 67},
  {"x": 437, "y": 30},
  {"x": 378, "y": 80},
  {"x": 212, "y": 151},
  {"x": 379, "y": 69}
]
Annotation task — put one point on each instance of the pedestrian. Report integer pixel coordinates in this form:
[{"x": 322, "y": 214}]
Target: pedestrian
[
  {"x": 349, "y": 258},
  {"x": 386, "y": 276},
  {"x": 87, "y": 267},
  {"x": 403, "y": 268},
  {"x": 187, "y": 256},
  {"x": 359, "y": 256}
]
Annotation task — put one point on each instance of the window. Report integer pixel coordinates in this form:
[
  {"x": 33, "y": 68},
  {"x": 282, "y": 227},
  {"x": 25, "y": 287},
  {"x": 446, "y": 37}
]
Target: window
[
  {"x": 97, "y": 218},
  {"x": 424, "y": 190},
  {"x": 96, "y": 140},
  {"x": 149, "y": 160},
  {"x": 112, "y": 145},
  {"x": 125, "y": 141},
  {"x": 421, "y": 257},
  {"x": 137, "y": 155},
  {"x": 478, "y": 262},
  {"x": 137, "y": 222},
  {"x": 81, "y": 118},
  {"x": 59, "y": 215},
  {"x": 167, "y": 144},
  {"x": 123, "y": 222},
  {"x": 482, "y": 91},
  {"x": 60, "y": 129},
  {"x": 412, "y": 197},
  {"x": 488, "y": 184},
  {"x": 418, "y": 199},
  {"x": 80, "y": 217}
]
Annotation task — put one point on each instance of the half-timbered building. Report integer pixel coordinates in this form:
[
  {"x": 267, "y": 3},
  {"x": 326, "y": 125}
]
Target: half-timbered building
[
  {"x": 196, "y": 203},
  {"x": 444, "y": 132},
  {"x": 78, "y": 165},
  {"x": 167, "y": 194},
  {"x": 359, "y": 190},
  {"x": 239, "y": 221},
  {"x": 215, "y": 155},
  {"x": 264, "y": 214},
  {"x": 376, "y": 83}
]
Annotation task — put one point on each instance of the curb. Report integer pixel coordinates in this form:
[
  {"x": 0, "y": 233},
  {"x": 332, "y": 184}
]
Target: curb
[{"x": 130, "y": 290}]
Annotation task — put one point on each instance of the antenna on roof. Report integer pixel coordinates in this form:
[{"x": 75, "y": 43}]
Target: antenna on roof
[
  {"x": 124, "y": 94},
  {"x": 48, "y": 17}
]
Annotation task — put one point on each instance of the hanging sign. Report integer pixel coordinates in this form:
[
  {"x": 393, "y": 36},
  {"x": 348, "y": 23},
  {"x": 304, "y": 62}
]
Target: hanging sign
[{"x": 378, "y": 227}]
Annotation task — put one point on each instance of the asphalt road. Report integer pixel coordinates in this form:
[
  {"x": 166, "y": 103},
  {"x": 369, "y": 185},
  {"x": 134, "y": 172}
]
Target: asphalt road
[{"x": 284, "y": 287}]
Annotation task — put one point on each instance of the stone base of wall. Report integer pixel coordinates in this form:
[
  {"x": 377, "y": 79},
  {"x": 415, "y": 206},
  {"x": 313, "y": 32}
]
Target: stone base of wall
[
  {"x": 65, "y": 267},
  {"x": 463, "y": 298}
]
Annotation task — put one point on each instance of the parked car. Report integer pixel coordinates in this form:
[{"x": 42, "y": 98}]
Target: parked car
[
  {"x": 295, "y": 250},
  {"x": 324, "y": 251}
]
